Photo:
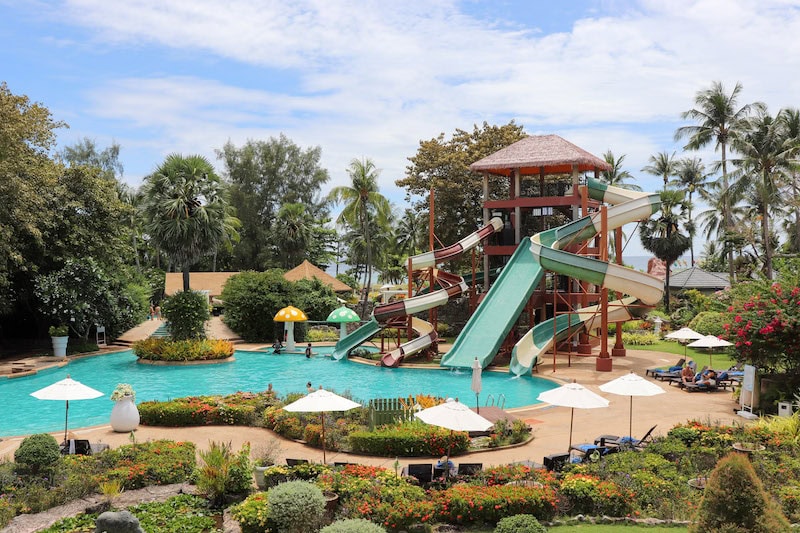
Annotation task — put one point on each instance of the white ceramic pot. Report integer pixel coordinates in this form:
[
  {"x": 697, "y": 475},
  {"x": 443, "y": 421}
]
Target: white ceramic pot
[
  {"x": 124, "y": 415},
  {"x": 60, "y": 346}
]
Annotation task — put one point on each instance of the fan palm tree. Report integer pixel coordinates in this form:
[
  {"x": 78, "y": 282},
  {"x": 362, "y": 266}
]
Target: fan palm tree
[
  {"x": 718, "y": 121},
  {"x": 662, "y": 164},
  {"x": 293, "y": 232},
  {"x": 764, "y": 156},
  {"x": 186, "y": 210},
  {"x": 662, "y": 236},
  {"x": 691, "y": 176},
  {"x": 364, "y": 206}
]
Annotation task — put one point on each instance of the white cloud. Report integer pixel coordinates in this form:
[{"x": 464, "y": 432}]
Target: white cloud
[{"x": 374, "y": 78}]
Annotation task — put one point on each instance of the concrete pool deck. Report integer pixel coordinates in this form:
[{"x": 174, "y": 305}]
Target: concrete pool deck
[{"x": 550, "y": 424}]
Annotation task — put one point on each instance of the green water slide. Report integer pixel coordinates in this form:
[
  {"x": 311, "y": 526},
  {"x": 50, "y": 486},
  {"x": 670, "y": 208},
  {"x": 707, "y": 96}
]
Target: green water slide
[
  {"x": 497, "y": 313},
  {"x": 356, "y": 338}
]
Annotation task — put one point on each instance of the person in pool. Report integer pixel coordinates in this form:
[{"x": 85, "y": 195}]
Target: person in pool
[
  {"x": 308, "y": 351},
  {"x": 277, "y": 346}
]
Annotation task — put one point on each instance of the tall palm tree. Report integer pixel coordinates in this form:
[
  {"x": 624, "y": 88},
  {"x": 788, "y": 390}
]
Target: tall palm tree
[
  {"x": 186, "y": 210},
  {"x": 364, "y": 206},
  {"x": 662, "y": 235},
  {"x": 293, "y": 232},
  {"x": 791, "y": 120},
  {"x": 616, "y": 176},
  {"x": 691, "y": 176},
  {"x": 764, "y": 157},
  {"x": 718, "y": 121},
  {"x": 409, "y": 232},
  {"x": 662, "y": 164}
]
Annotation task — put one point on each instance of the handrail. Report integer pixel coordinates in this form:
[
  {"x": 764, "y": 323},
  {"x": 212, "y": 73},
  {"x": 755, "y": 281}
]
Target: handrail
[
  {"x": 491, "y": 396},
  {"x": 503, "y": 396}
]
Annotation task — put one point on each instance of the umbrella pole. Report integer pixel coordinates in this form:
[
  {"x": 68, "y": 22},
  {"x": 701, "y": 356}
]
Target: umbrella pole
[
  {"x": 571, "y": 416},
  {"x": 478, "y": 402},
  {"x": 66, "y": 420},
  {"x": 630, "y": 420},
  {"x": 324, "y": 459}
]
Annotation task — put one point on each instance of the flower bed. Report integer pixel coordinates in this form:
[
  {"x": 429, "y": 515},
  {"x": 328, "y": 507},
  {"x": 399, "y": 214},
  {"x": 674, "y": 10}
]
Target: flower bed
[
  {"x": 241, "y": 409},
  {"x": 408, "y": 440},
  {"x": 159, "y": 349}
]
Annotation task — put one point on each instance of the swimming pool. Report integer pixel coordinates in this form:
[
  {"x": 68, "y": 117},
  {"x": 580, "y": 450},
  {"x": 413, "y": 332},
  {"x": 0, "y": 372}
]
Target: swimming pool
[{"x": 21, "y": 413}]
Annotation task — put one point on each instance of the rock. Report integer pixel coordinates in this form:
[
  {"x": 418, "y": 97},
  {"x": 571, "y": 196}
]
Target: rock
[{"x": 118, "y": 522}]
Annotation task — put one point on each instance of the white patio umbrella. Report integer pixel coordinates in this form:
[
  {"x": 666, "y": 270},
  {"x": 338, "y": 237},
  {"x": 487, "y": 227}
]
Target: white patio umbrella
[
  {"x": 684, "y": 334},
  {"x": 631, "y": 385},
  {"x": 476, "y": 382},
  {"x": 65, "y": 390},
  {"x": 321, "y": 401},
  {"x": 455, "y": 416},
  {"x": 710, "y": 341},
  {"x": 573, "y": 395}
]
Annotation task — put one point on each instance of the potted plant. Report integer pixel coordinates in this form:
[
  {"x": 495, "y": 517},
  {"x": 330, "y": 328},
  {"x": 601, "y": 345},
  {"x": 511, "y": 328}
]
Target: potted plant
[
  {"x": 263, "y": 457},
  {"x": 124, "y": 415},
  {"x": 59, "y": 335}
]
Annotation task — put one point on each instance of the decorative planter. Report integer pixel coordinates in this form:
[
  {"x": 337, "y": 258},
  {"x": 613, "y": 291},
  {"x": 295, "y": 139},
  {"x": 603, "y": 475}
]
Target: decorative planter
[
  {"x": 331, "y": 501},
  {"x": 124, "y": 415},
  {"x": 698, "y": 483},
  {"x": 747, "y": 447},
  {"x": 258, "y": 473},
  {"x": 60, "y": 346}
]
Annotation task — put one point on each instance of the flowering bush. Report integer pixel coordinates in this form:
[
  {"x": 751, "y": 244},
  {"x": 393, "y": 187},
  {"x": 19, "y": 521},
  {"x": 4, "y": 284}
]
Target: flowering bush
[
  {"x": 464, "y": 504},
  {"x": 590, "y": 494},
  {"x": 122, "y": 390},
  {"x": 239, "y": 409},
  {"x": 253, "y": 513},
  {"x": 764, "y": 324},
  {"x": 159, "y": 462},
  {"x": 160, "y": 349}
]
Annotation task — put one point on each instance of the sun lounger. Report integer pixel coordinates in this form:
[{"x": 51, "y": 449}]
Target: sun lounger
[
  {"x": 423, "y": 472},
  {"x": 612, "y": 441},
  {"x": 295, "y": 462},
  {"x": 659, "y": 371},
  {"x": 469, "y": 469}
]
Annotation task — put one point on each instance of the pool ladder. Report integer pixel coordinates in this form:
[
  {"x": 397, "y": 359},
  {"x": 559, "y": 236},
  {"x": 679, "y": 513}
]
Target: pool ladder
[{"x": 500, "y": 398}]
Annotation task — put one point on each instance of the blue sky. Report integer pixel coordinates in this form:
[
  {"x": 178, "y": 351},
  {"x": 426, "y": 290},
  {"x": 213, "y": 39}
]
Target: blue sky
[{"x": 373, "y": 78}]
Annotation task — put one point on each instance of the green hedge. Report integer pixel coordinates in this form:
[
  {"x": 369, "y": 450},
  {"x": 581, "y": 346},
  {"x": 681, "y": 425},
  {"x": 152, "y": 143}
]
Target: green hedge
[
  {"x": 239, "y": 409},
  {"x": 409, "y": 440},
  {"x": 160, "y": 349}
]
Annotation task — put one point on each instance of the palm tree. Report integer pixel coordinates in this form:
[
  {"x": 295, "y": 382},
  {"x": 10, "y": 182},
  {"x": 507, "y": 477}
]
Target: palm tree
[
  {"x": 186, "y": 211},
  {"x": 364, "y": 206},
  {"x": 764, "y": 157},
  {"x": 662, "y": 236},
  {"x": 691, "y": 176},
  {"x": 791, "y": 120},
  {"x": 662, "y": 164},
  {"x": 718, "y": 121},
  {"x": 293, "y": 232},
  {"x": 409, "y": 232},
  {"x": 616, "y": 176}
]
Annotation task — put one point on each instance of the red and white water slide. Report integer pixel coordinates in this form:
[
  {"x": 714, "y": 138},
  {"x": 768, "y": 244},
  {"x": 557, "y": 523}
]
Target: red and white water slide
[{"x": 452, "y": 287}]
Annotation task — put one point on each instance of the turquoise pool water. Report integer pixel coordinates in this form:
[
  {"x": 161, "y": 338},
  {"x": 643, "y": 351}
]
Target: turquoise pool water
[{"x": 21, "y": 413}]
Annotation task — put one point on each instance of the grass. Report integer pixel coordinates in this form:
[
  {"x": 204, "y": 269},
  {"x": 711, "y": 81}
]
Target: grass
[
  {"x": 718, "y": 360},
  {"x": 613, "y": 528}
]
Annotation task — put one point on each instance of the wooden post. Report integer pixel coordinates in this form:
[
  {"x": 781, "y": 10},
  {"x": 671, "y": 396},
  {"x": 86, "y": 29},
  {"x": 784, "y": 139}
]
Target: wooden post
[
  {"x": 603, "y": 363},
  {"x": 619, "y": 348}
]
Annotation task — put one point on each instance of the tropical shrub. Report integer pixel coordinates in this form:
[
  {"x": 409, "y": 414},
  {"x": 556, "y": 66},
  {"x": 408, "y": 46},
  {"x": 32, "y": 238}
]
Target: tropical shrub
[
  {"x": 6, "y": 510},
  {"x": 253, "y": 513},
  {"x": 317, "y": 334},
  {"x": 353, "y": 525},
  {"x": 239, "y": 409},
  {"x": 521, "y": 523},
  {"x": 591, "y": 495},
  {"x": 222, "y": 472},
  {"x": 252, "y": 299},
  {"x": 160, "y": 349},
  {"x": 708, "y": 323},
  {"x": 295, "y": 507},
  {"x": 465, "y": 504},
  {"x": 387, "y": 500},
  {"x": 37, "y": 453},
  {"x": 159, "y": 462},
  {"x": 186, "y": 313},
  {"x": 640, "y": 339},
  {"x": 735, "y": 500},
  {"x": 409, "y": 439}
]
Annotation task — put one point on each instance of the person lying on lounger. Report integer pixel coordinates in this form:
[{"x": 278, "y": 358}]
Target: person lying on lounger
[
  {"x": 687, "y": 374},
  {"x": 709, "y": 377}
]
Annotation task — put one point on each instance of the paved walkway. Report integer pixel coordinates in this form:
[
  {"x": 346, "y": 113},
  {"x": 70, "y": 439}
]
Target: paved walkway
[{"x": 550, "y": 424}]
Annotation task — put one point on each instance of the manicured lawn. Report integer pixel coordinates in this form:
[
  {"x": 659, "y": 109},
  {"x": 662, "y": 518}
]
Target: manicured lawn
[
  {"x": 613, "y": 528},
  {"x": 719, "y": 360}
]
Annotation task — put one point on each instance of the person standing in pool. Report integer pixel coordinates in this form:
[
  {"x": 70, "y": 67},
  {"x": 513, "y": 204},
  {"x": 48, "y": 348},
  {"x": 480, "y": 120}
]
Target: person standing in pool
[
  {"x": 277, "y": 346},
  {"x": 308, "y": 351},
  {"x": 309, "y": 388}
]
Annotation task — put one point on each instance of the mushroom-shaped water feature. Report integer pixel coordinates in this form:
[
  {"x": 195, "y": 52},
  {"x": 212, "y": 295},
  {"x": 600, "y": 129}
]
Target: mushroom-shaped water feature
[
  {"x": 289, "y": 315},
  {"x": 342, "y": 316}
]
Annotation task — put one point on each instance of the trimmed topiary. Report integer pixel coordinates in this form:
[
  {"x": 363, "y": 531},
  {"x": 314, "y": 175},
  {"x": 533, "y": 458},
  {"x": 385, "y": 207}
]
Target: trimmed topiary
[
  {"x": 295, "y": 507},
  {"x": 186, "y": 314},
  {"x": 353, "y": 525},
  {"x": 37, "y": 452},
  {"x": 520, "y": 523},
  {"x": 735, "y": 500}
]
